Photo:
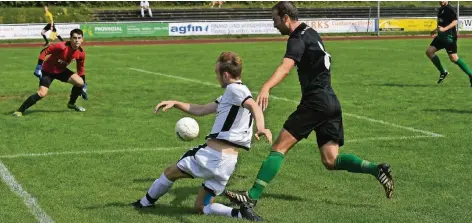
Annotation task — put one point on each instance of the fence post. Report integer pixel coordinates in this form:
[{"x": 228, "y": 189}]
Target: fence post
[
  {"x": 368, "y": 21},
  {"x": 457, "y": 27},
  {"x": 378, "y": 18}
]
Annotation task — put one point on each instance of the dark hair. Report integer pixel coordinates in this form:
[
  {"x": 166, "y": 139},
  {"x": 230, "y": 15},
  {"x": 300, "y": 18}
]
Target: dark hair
[
  {"x": 77, "y": 31},
  {"x": 286, "y": 8},
  {"x": 230, "y": 62}
]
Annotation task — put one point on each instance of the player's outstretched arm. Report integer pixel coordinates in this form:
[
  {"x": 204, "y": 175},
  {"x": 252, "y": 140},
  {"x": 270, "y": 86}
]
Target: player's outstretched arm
[
  {"x": 193, "y": 109},
  {"x": 256, "y": 111},
  {"x": 277, "y": 77}
]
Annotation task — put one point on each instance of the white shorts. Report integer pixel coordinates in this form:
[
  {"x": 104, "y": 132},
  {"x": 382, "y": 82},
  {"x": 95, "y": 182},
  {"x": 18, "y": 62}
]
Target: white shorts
[{"x": 213, "y": 166}]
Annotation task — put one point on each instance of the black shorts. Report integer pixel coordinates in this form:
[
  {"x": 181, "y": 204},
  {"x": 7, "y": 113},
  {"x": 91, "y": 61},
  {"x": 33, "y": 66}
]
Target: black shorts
[
  {"x": 451, "y": 48},
  {"x": 48, "y": 27},
  {"x": 47, "y": 78},
  {"x": 322, "y": 116}
]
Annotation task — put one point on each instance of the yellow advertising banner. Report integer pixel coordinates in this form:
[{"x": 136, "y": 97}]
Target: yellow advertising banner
[{"x": 407, "y": 25}]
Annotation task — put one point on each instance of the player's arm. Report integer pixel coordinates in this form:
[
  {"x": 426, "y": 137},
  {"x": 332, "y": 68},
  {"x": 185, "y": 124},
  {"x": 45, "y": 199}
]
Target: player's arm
[
  {"x": 279, "y": 74},
  {"x": 294, "y": 53},
  {"x": 42, "y": 56},
  {"x": 448, "y": 27},
  {"x": 193, "y": 109},
  {"x": 81, "y": 65},
  {"x": 81, "y": 72},
  {"x": 48, "y": 51},
  {"x": 256, "y": 111}
]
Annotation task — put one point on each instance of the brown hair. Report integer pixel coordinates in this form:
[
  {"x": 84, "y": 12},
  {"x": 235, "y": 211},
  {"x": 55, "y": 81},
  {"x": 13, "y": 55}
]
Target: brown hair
[
  {"x": 286, "y": 8},
  {"x": 230, "y": 62}
]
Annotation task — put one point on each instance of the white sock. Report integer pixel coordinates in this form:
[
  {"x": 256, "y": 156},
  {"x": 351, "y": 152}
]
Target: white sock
[
  {"x": 142, "y": 12},
  {"x": 219, "y": 209},
  {"x": 150, "y": 12},
  {"x": 157, "y": 189}
]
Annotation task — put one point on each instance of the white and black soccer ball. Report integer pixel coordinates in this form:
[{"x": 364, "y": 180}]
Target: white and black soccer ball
[{"x": 187, "y": 129}]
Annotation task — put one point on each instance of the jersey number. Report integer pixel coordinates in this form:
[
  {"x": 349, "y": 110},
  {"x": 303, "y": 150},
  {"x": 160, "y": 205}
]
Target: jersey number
[{"x": 327, "y": 57}]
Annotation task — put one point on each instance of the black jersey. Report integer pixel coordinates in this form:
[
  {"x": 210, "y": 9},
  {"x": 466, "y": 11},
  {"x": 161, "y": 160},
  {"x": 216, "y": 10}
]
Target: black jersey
[{"x": 313, "y": 63}]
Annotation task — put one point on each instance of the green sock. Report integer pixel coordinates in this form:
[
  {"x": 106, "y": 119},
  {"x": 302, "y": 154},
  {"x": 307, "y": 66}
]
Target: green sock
[
  {"x": 464, "y": 67},
  {"x": 437, "y": 63},
  {"x": 354, "y": 164},
  {"x": 269, "y": 169}
]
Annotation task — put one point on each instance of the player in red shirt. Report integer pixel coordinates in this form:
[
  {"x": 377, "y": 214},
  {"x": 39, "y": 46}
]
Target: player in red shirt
[{"x": 55, "y": 67}]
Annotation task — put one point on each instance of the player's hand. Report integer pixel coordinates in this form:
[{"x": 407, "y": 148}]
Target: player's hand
[
  {"x": 84, "y": 92},
  {"x": 442, "y": 29},
  {"x": 264, "y": 132},
  {"x": 37, "y": 71},
  {"x": 263, "y": 99},
  {"x": 164, "y": 105},
  {"x": 432, "y": 33}
]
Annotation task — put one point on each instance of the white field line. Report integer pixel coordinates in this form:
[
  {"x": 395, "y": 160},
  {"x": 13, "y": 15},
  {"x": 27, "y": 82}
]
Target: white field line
[
  {"x": 387, "y": 138},
  {"x": 86, "y": 152},
  {"x": 428, "y": 133},
  {"x": 29, "y": 200},
  {"x": 46, "y": 154}
]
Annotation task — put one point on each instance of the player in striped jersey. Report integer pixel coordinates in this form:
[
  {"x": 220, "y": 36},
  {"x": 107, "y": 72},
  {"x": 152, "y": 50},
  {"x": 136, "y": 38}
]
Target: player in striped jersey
[{"x": 215, "y": 160}]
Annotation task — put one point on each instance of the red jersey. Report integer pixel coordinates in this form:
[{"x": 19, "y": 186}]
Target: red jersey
[{"x": 62, "y": 55}]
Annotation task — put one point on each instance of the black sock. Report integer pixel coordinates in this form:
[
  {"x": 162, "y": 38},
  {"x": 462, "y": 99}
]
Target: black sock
[
  {"x": 150, "y": 199},
  {"x": 29, "y": 102},
  {"x": 45, "y": 39},
  {"x": 60, "y": 38},
  {"x": 74, "y": 94},
  {"x": 235, "y": 213}
]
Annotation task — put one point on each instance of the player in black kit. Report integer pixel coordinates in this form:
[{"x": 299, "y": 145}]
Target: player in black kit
[
  {"x": 319, "y": 109},
  {"x": 446, "y": 39}
]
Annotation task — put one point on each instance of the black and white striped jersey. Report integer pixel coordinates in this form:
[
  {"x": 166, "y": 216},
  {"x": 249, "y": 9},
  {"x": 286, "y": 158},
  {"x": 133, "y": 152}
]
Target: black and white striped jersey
[{"x": 233, "y": 122}]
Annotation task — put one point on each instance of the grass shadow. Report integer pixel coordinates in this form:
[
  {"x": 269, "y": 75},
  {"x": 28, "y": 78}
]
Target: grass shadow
[
  {"x": 169, "y": 210},
  {"x": 449, "y": 110},
  {"x": 349, "y": 204}
]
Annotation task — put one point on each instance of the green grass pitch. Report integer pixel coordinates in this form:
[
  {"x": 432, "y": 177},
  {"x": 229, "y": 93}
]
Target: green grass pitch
[{"x": 87, "y": 167}]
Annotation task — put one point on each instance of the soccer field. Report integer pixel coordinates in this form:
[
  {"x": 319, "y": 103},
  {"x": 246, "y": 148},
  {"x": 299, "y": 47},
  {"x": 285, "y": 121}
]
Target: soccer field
[{"x": 63, "y": 166}]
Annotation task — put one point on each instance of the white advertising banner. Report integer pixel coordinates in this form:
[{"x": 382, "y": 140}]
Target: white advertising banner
[
  {"x": 267, "y": 27},
  {"x": 341, "y": 26},
  {"x": 189, "y": 29},
  {"x": 33, "y": 31},
  {"x": 236, "y": 28},
  {"x": 465, "y": 24}
]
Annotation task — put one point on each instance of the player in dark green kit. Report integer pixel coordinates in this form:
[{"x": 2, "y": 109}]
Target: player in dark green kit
[
  {"x": 319, "y": 110},
  {"x": 446, "y": 39}
]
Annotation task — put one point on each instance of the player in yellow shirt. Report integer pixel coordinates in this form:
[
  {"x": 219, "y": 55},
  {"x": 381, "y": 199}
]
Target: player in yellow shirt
[{"x": 49, "y": 26}]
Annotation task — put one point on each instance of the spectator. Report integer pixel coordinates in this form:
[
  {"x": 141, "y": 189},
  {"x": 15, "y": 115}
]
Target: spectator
[
  {"x": 219, "y": 3},
  {"x": 145, "y": 5}
]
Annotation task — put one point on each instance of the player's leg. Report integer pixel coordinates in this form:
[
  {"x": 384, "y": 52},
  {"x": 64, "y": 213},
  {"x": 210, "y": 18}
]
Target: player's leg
[
  {"x": 267, "y": 172},
  {"x": 271, "y": 165},
  {"x": 149, "y": 11},
  {"x": 332, "y": 160},
  {"x": 298, "y": 126},
  {"x": 186, "y": 167},
  {"x": 329, "y": 137},
  {"x": 215, "y": 183},
  {"x": 161, "y": 186},
  {"x": 58, "y": 36},
  {"x": 43, "y": 33},
  {"x": 431, "y": 53},
  {"x": 452, "y": 52},
  {"x": 76, "y": 91},
  {"x": 204, "y": 204},
  {"x": 44, "y": 84},
  {"x": 142, "y": 11}
]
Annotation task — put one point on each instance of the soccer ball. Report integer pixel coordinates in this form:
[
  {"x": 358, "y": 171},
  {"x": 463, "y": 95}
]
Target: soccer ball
[{"x": 187, "y": 129}]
